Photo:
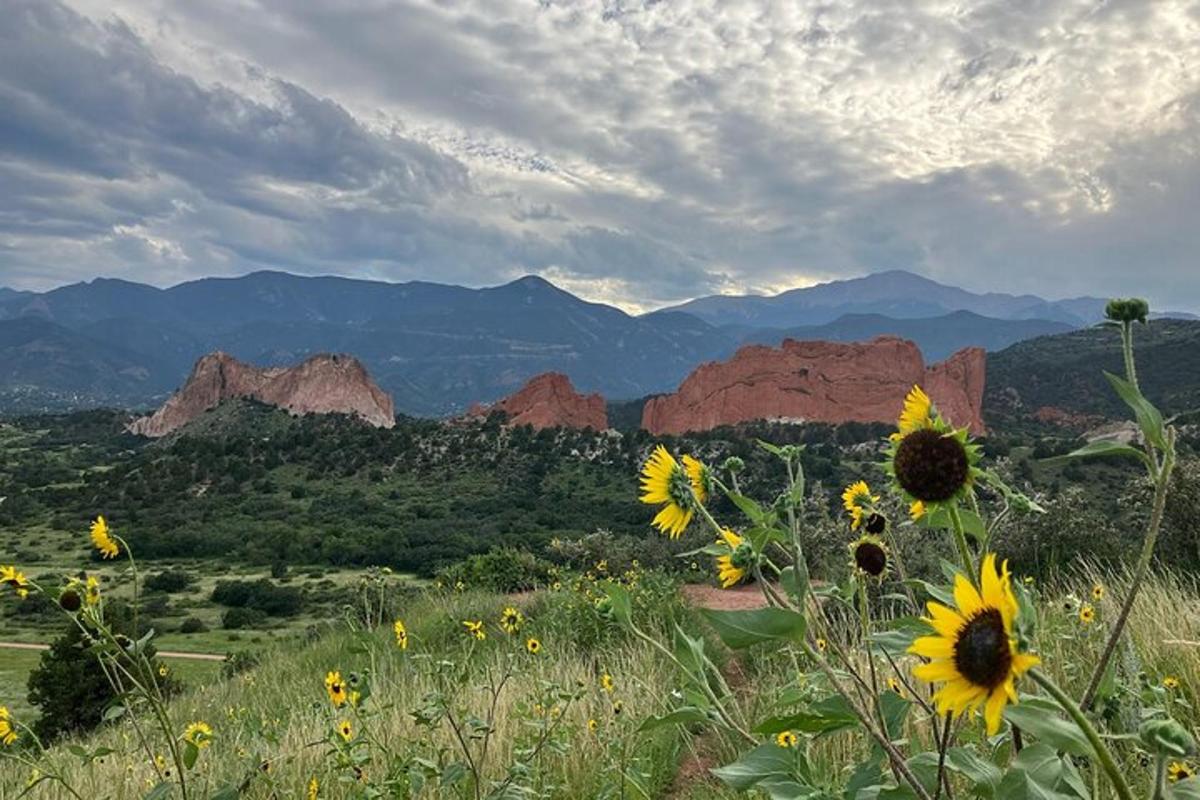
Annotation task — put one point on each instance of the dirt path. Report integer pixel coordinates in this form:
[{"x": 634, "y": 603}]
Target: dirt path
[
  {"x": 161, "y": 653},
  {"x": 739, "y": 598}
]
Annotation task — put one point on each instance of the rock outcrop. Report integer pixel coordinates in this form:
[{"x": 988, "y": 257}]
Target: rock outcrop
[
  {"x": 547, "y": 401},
  {"x": 324, "y": 384},
  {"x": 821, "y": 382}
]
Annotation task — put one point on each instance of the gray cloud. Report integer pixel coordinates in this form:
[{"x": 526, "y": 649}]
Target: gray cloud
[{"x": 638, "y": 153}]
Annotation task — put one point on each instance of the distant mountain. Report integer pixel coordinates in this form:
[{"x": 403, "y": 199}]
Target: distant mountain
[
  {"x": 895, "y": 293},
  {"x": 435, "y": 348},
  {"x": 937, "y": 337},
  {"x": 44, "y": 366},
  {"x": 10, "y": 294},
  {"x": 1064, "y": 371}
]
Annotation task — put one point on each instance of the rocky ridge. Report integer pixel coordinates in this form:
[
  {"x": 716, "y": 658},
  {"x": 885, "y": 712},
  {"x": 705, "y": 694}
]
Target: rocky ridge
[{"x": 547, "y": 401}]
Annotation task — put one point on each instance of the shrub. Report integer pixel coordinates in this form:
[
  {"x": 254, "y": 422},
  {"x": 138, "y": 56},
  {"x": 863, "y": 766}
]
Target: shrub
[
  {"x": 260, "y": 595},
  {"x": 239, "y": 661},
  {"x": 501, "y": 570},
  {"x": 241, "y": 617},
  {"x": 193, "y": 625},
  {"x": 171, "y": 580}
]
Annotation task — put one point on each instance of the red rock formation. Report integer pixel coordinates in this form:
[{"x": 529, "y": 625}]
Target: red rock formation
[
  {"x": 822, "y": 382},
  {"x": 547, "y": 401},
  {"x": 323, "y": 384}
]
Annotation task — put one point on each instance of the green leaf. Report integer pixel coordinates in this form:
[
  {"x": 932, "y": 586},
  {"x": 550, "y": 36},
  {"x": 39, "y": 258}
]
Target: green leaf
[
  {"x": 899, "y": 637},
  {"x": 227, "y": 792},
  {"x": 1041, "y": 719},
  {"x": 160, "y": 791},
  {"x": 621, "y": 608},
  {"x": 1101, "y": 448},
  {"x": 985, "y": 775},
  {"x": 688, "y": 715},
  {"x": 763, "y": 762},
  {"x": 942, "y": 595},
  {"x": 190, "y": 754},
  {"x": 774, "y": 450},
  {"x": 1038, "y": 773},
  {"x": 1149, "y": 418},
  {"x": 1185, "y": 790},
  {"x": 750, "y": 508},
  {"x": 740, "y": 629},
  {"x": 895, "y": 710},
  {"x": 824, "y": 716}
]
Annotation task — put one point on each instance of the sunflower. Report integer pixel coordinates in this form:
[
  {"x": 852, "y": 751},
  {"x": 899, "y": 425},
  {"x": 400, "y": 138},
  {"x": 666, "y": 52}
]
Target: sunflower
[
  {"x": 931, "y": 462},
  {"x": 856, "y": 499},
  {"x": 102, "y": 539},
  {"x": 475, "y": 628},
  {"x": 533, "y": 646},
  {"x": 974, "y": 654},
  {"x": 511, "y": 620},
  {"x": 401, "y": 634},
  {"x": 607, "y": 683},
  {"x": 592, "y": 725},
  {"x": 1087, "y": 614},
  {"x": 8, "y": 733},
  {"x": 336, "y": 688},
  {"x": 617, "y": 707},
  {"x": 869, "y": 555},
  {"x": 734, "y": 565},
  {"x": 893, "y": 685},
  {"x": 1171, "y": 682},
  {"x": 1098, "y": 592},
  {"x": 198, "y": 734},
  {"x": 679, "y": 489},
  {"x": 345, "y": 731},
  {"x": 1179, "y": 771},
  {"x": 787, "y": 739},
  {"x": 92, "y": 593},
  {"x": 14, "y": 579},
  {"x": 821, "y": 644},
  {"x": 69, "y": 600}
]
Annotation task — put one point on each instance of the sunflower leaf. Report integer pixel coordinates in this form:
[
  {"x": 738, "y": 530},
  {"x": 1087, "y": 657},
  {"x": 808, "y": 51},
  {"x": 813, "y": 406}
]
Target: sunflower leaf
[
  {"x": 687, "y": 715},
  {"x": 1149, "y": 418},
  {"x": 740, "y": 629},
  {"x": 1188, "y": 789},
  {"x": 1041, "y": 720},
  {"x": 1099, "y": 448},
  {"x": 750, "y": 508}
]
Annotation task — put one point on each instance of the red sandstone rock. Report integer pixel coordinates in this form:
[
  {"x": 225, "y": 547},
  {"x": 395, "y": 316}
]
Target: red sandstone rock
[
  {"x": 323, "y": 384},
  {"x": 821, "y": 382},
  {"x": 547, "y": 401}
]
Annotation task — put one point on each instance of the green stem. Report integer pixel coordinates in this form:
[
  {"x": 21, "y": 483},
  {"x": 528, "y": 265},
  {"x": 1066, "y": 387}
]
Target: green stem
[
  {"x": 1127, "y": 351},
  {"x": 964, "y": 550},
  {"x": 1161, "y": 485},
  {"x": 1160, "y": 778},
  {"x": 1076, "y": 713}
]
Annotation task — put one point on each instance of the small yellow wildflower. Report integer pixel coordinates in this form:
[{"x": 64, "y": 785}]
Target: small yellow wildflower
[
  {"x": 511, "y": 620},
  {"x": 102, "y": 539},
  {"x": 1098, "y": 592},
  {"x": 607, "y": 683},
  {"x": 592, "y": 725},
  {"x": 1087, "y": 614},
  {"x": 894, "y": 685},
  {"x": 533, "y": 646},
  {"x": 401, "y": 636},
  {"x": 8, "y": 733},
  {"x": 1171, "y": 682},
  {"x": 198, "y": 734},
  {"x": 1179, "y": 771},
  {"x": 91, "y": 594},
  {"x": 345, "y": 731},
  {"x": 787, "y": 739},
  {"x": 335, "y": 687},
  {"x": 475, "y": 628},
  {"x": 822, "y": 644},
  {"x": 313, "y": 788},
  {"x": 14, "y": 579}
]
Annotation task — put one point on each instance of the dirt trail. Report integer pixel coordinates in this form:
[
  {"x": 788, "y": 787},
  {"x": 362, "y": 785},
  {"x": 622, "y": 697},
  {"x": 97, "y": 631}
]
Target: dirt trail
[{"x": 161, "y": 653}]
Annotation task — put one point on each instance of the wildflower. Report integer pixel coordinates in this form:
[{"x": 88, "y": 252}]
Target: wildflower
[
  {"x": 162, "y": 670},
  {"x": 916, "y": 510},
  {"x": 556, "y": 586},
  {"x": 459, "y": 586},
  {"x": 592, "y": 725},
  {"x": 533, "y": 646},
  {"x": 14, "y": 579},
  {"x": 313, "y": 788},
  {"x": 69, "y": 600},
  {"x": 617, "y": 707},
  {"x": 401, "y": 636},
  {"x": 345, "y": 731},
  {"x": 974, "y": 654},
  {"x": 894, "y": 686},
  {"x": 931, "y": 462},
  {"x": 8, "y": 733},
  {"x": 102, "y": 539},
  {"x": 856, "y": 499},
  {"x": 734, "y": 565},
  {"x": 1098, "y": 592},
  {"x": 607, "y": 683},
  {"x": 1179, "y": 771},
  {"x": 678, "y": 489},
  {"x": 787, "y": 739},
  {"x": 869, "y": 554},
  {"x": 198, "y": 734},
  {"x": 821, "y": 644},
  {"x": 335, "y": 687},
  {"x": 1171, "y": 683},
  {"x": 92, "y": 593},
  {"x": 475, "y": 628},
  {"x": 602, "y": 566},
  {"x": 1087, "y": 614},
  {"x": 511, "y": 620}
]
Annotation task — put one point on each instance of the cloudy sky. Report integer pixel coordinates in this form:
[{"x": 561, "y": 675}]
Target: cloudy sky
[{"x": 633, "y": 151}]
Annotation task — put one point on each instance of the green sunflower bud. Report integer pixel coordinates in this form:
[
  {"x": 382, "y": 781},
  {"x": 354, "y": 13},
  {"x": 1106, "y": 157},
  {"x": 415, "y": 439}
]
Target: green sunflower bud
[
  {"x": 1167, "y": 737},
  {"x": 1126, "y": 310},
  {"x": 733, "y": 465}
]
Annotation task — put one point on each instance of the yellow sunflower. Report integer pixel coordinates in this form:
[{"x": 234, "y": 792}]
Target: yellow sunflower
[
  {"x": 592, "y": 725},
  {"x": 1098, "y": 592},
  {"x": 1087, "y": 614},
  {"x": 1179, "y": 771},
  {"x": 869, "y": 555},
  {"x": 533, "y": 646},
  {"x": 916, "y": 509},
  {"x": 607, "y": 683},
  {"x": 8, "y": 733},
  {"x": 511, "y": 620},
  {"x": 336, "y": 689},
  {"x": 313, "y": 788},
  {"x": 974, "y": 654},
  {"x": 14, "y": 579},
  {"x": 679, "y": 489},
  {"x": 345, "y": 731},
  {"x": 1171, "y": 682},
  {"x": 92, "y": 593},
  {"x": 916, "y": 414},
  {"x": 734, "y": 565},
  {"x": 102, "y": 539},
  {"x": 787, "y": 739},
  {"x": 931, "y": 463},
  {"x": 198, "y": 734},
  {"x": 401, "y": 634},
  {"x": 475, "y": 628},
  {"x": 856, "y": 498}
]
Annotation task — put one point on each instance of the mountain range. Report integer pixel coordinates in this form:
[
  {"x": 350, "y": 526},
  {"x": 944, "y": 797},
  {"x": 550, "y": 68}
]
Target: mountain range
[{"x": 438, "y": 348}]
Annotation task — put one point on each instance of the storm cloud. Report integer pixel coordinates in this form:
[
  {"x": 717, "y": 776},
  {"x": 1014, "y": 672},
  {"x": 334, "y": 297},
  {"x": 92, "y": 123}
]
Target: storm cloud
[{"x": 639, "y": 153}]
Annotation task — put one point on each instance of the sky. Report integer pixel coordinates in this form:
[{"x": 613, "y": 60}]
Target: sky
[{"x": 636, "y": 153}]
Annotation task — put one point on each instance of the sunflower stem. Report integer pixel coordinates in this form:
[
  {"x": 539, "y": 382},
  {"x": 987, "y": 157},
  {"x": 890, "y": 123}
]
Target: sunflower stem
[
  {"x": 964, "y": 549},
  {"x": 1161, "y": 485},
  {"x": 1089, "y": 731},
  {"x": 1160, "y": 778}
]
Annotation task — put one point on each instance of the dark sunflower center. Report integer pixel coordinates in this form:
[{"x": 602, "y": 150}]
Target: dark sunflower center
[
  {"x": 876, "y": 523},
  {"x": 931, "y": 467},
  {"x": 870, "y": 558},
  {"x": 982, "y": 653}
]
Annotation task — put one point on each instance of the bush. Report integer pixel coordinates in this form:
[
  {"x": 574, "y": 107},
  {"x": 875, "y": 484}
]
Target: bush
[
  {"x": 501, "y": 570},
  {"x": 260, "y": 595},
  {"x": 193, "y": 625},
  {"x": 171, "y": 580},
  {"x": 240, "y": 617},
  {"x": 239, "y": 661}
]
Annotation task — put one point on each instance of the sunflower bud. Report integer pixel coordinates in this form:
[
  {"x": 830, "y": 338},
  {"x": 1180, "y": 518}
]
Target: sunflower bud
[
  {"x": 1127, "y": 310},
  {"x": 733, "y": 465},
  {"x": 1167, "y": 737},
  {"x": 876, "y": 523},
  {"x": 70, "y": 601},
  {"x": 870, "y": 555}
]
